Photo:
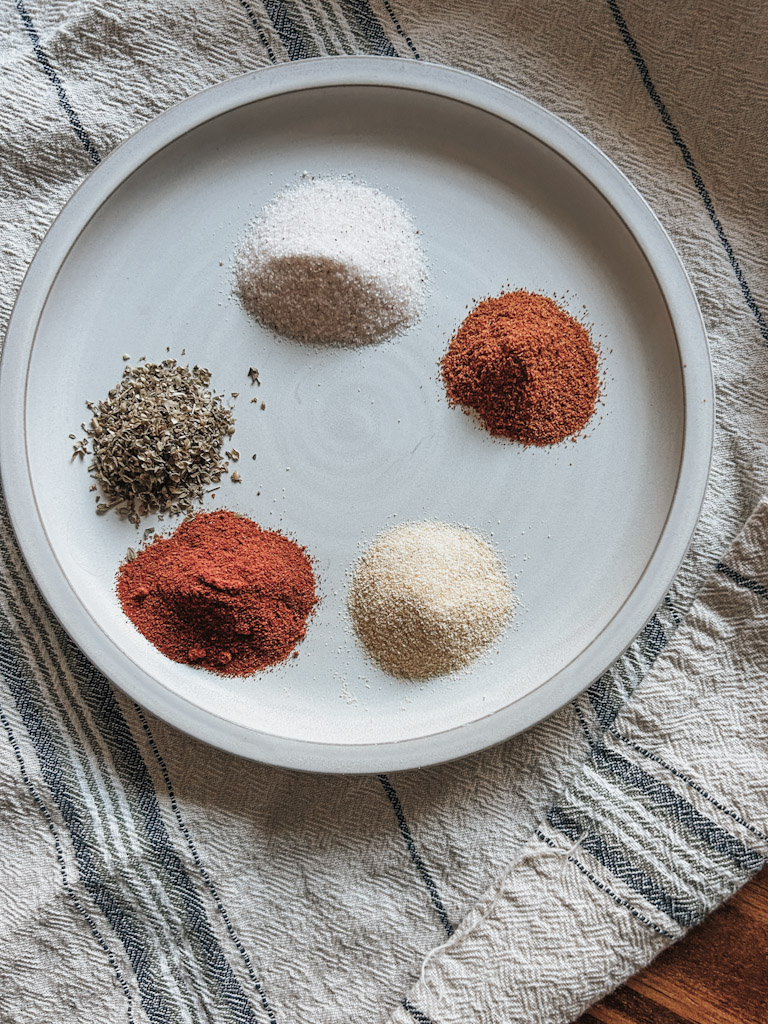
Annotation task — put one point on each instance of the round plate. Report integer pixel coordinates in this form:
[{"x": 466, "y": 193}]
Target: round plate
[{"x": 355, "y": 440}]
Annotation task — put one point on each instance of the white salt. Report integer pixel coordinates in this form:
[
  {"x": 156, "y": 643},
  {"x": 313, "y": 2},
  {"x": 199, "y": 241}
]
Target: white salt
[{"x": 334, "y": 261}]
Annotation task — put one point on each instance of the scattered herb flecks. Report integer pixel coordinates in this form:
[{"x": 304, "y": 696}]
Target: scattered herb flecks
[{"x": 157, "y": 440}]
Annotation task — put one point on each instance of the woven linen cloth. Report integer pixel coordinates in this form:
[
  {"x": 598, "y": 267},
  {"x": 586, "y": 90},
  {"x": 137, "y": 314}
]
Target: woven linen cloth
[{"x": 148, "y": 878}]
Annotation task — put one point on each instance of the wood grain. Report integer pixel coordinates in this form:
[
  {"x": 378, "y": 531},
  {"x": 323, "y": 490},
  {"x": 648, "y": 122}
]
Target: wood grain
[{"x": 718, "y": 974}]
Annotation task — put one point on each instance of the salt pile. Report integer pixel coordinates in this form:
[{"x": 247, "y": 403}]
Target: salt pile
[
  {"x": 333, "y": 261},
  {"x": 427, "y": 598}
]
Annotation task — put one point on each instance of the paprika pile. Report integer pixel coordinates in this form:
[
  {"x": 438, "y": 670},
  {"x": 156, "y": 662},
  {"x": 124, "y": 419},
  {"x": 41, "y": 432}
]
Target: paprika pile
[
  {"x": 527, "y": 367},
  {"x": 221, "y": 593}
]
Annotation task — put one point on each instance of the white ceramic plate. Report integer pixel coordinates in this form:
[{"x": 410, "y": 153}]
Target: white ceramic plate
[{"x": 353, "y": 441}]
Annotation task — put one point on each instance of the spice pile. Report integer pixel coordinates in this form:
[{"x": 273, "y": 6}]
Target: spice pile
[
  {"x": 427, "y": 598},
  {"x": 220, "y": 593},
  {"x": 333, "y": 261},
  {"x": 157, "y": 440},
  {"x": 525, "y": 366}
]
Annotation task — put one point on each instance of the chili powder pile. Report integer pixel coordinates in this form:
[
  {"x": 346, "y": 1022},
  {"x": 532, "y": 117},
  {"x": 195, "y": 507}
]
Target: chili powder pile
[
  {"x": 221, "y": 593},
  {"x": 527, "y": 367}
]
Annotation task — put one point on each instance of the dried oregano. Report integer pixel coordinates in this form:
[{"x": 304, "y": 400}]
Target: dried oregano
[{"x": 157, "y": 440}]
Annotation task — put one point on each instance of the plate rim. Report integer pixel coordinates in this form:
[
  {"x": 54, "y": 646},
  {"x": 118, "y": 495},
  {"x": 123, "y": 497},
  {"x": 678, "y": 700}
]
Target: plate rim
[{"x": 674, "y": 286}]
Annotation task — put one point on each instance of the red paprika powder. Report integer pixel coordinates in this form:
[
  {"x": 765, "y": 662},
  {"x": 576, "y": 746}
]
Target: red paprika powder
[
  {"x": 221, "y": 593},
  {"x": 527, "y": 367}
]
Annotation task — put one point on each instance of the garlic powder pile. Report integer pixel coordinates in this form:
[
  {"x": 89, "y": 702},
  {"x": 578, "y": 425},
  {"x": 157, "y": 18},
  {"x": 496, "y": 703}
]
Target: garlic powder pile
[
  {"x": 333, "y": 261},
  {"x": 427, "y": 598}
]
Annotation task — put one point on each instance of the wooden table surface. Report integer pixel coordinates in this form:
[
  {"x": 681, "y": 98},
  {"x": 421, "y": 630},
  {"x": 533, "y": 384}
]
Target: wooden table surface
[{"x": 717, "y": 975}]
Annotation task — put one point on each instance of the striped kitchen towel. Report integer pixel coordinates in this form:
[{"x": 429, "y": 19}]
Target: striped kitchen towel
[
  {"x": 146, "y": 878},
  {"x": 665, "y": 818}
]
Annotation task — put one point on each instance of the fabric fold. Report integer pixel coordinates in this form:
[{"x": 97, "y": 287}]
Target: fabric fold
[{"x": 666, "y": 819}]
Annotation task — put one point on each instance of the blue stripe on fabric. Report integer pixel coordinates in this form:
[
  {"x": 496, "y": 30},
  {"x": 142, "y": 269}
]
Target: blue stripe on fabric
[
  {"x": 63, "y": 867},
  {"x": 679, "y": 810},
  {"x": 97, "y": 889},
  {"x": 53, "y": 77},
  {"x": 654, "y": 637},
  {"x": 692, "y": 783},
  {"x": 742, "y": 581},
  {"x": 602, "y": 698},
  {"x": 358, "y": 12},
  {"x": 130, "y": 765},
  {"x": 619, "y": 900},
  {"x": 199, "y": 864},
  {"x": 698, "y": 181},
  {"x": 399, "y": 29},
  {"x": 419, "y": 864},
  {"x": 291, "y": 35},
  {"x": 583, "y": 722},
  {"x": 259, "y": 30},
  {"x": 615, "y": 860},
  {"x": 668, "y": 603},
  {"x": 418, "y": 1016}
]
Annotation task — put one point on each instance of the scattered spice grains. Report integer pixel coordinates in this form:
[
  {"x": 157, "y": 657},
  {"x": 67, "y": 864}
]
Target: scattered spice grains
[
  {"x": 220, "y": 593},
  {"x": 427, "y": 598},
  {"x": 333, "y": 261},
  {"x": 157, "y": 440},
  {"x": 527, "y": 367}
]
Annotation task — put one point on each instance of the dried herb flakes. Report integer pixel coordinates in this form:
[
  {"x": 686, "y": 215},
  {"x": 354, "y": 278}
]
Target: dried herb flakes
[{"x": 157, "y": 439}]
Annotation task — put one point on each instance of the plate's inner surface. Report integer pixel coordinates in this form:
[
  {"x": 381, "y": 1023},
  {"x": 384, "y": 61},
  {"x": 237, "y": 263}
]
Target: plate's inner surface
[{"x": 353, "y": 441}]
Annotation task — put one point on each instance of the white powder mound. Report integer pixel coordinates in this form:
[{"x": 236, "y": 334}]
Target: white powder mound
[
  {"x": 333, "y": 261},
  {"x": 427, "y": 598}
]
